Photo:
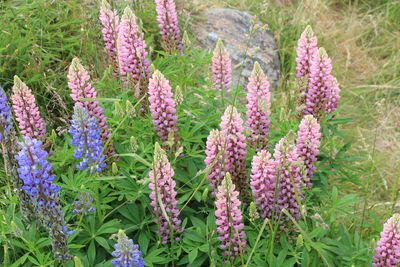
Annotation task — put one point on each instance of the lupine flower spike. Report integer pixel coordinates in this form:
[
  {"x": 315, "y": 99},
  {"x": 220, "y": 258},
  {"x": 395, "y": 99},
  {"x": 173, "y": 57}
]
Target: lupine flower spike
[
  {"x": 258, "y": 107},
  {"x": 126, "y": 252},
  {"x": 333, "y": 97},
  {"x": 9, "y": 148},
  {"x": 110, "y": 20},
  {"x": 319, "y": 85},
  {"x": 6, "y": 126},
  {"x": 289, "y": 193},
  {"x": 35, "y": 172},
  {"x": 132, "y": 56},
  {"x": 387, "y": 251},
  {"x": 221, "y": 68},
  {"x": 263, "y": 182},
  {"x": 307, "y": 144},
  {"x": 86, "y": 138},
  {"x": 163, "y": 196},
  {"x": 79, "y": 83},
  {"x": 30, "y": 123},
  {"x": 169, "y": 26},
  {"x": 229, "y": 219},
  {"x": 162, "y": 107},
  {"x": 306, "y": 50},
  {"x": 84, "y": 204},
  {"x": 234, "y": 144},
  {"x": 214, "y": 149}
]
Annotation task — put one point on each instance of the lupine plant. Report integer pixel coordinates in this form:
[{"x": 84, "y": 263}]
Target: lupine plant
[
  {"x": 87, "y": 140},
  {"x": 169, "y": 26},
  {"x": 221, "y": 68},
  {"x": 387, "y": 251},
  {"x": 203, "y": 172},
  {"x": 35, "y": 172},
  {"x": 134, "y": 66},
  {"x": 30, "y": 122},
  {"x": 110, "y": 20}
]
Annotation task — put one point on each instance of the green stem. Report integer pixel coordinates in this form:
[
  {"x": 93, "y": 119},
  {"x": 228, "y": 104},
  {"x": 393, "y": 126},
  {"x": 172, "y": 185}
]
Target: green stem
[{"x": 257, "y": 240}]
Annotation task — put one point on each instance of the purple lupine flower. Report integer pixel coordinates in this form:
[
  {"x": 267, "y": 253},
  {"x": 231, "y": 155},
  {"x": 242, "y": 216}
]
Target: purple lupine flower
[
  {"x": 84, "y": 205},
  {"x": 221, "y": 68},
  {"x": 127, "y": 253},
  {"x": 6, "y": 126},
  {"x": 333, "y": 97},
  {"x": 163, "y": 196},
  {"x": 387, "y": 251},
  {"x": 234, "y": 145},
  {"x": 132, "y": 56},
  {"x": 319, "y": 85},
  {"x": 35, "y": 172},
  {"x": 258, "y": 107},
  {"x": 263, "y": 181},
  {"x": 169, "y": 26},
  {"x": 307, "y": 144},
  {"x": 214, "y": 148},
  {"x": 229, "y": 219},
  {"x": 110, "y": 20},
  {"x": 86, "y": 138},
  {"x": 289, "y": 177},
  {"x": 306, "y": 50},
  {"x": 162, "y": 107},
  {"x": 27, "y": 114},
  {"x": 79, "y": 83}
]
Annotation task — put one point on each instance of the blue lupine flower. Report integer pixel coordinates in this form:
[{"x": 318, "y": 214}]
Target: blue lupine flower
[
  {"x": 84, "y": 204},
  {"x": 127, "y": 253},
  {"x": 5, "y": 116},
  {"x": 35, "y": 172},
  {"x": 86, "y": 137}
]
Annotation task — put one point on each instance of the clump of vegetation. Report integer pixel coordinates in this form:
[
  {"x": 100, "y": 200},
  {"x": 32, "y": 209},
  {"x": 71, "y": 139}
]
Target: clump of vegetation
[{"x": 161, "y": 154}]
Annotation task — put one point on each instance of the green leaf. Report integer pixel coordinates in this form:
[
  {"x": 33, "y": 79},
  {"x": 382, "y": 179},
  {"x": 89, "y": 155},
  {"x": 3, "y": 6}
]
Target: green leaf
[
  {"x": 143, "y": 241},
  {"x": 193, "y": 255},
  {"x": 92, "y": 252},
  {"x": 21, "y": 260},
  {"x": 103, "y": 242},
  {"x": 194, "y": 236}
]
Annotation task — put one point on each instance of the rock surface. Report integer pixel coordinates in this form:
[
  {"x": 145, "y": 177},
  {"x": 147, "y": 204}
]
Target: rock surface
[{"x": 233, "y": 27}]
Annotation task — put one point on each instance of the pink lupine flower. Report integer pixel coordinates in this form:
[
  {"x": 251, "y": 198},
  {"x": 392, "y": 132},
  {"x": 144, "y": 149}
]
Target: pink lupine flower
[
  {"x": 110, "y": 20},
  {"x": 168, "y": 24},
  {"x": 387, "y": 252},
  {"x": 263, "y": 181},
  {"x": 333, "y": 97},
  {"x": 289, "y": 174},
  {"x": 319, "y": 85},
  {"x": 162, "y": 106},
  {"x": 307, "y": 144},
  {"x": 79, "y": 83},
  {"x": 27, "y": 114},
  {"x": 306, "y": 51},
  {"x": 163, "y": 196},
  {"x": 132, "y": 56},
  {"x": 234, "y": 144},
  {"x": 229, "y": 219},
  {"x": 222, "y": 68},
  {"x": 214, "y": 148},
  {"x": 258, "y": 107}
]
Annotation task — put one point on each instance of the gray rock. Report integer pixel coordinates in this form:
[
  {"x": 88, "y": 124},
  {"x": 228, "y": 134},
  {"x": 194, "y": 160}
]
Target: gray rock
[{"x": 233, "y": 27}]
